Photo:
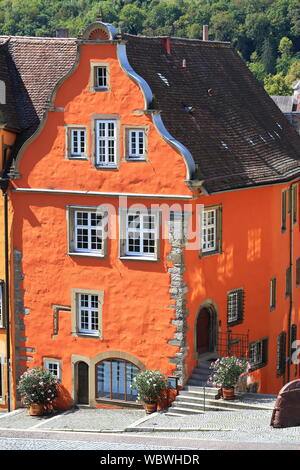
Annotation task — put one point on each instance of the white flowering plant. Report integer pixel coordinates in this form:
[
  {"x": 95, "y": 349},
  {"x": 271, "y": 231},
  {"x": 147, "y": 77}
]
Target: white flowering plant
[
  {"x": 38, "y": 386},
  {"x": 150, "y": 385},
  {"x": 227, "y": 370}
]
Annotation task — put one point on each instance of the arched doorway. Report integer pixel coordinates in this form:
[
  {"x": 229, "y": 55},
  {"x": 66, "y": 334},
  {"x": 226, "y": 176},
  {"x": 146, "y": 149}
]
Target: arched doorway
[
  {"x": 82, "y": 383},
  {"x": 206, "y": 330}
]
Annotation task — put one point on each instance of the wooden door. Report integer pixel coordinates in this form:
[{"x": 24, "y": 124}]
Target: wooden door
[
  {"x": 203, "y": 331},
  {"x": 82, "y": 383}
]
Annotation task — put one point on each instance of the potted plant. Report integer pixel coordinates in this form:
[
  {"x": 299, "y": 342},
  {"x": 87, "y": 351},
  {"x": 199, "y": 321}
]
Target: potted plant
[
  {"x": 150, "y": 386},
  {"x": 38, "y": 389},
  {"x": 225, "y": 374}
]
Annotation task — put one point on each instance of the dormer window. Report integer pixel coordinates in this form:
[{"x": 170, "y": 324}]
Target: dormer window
[{"x": 99, "y": 77}]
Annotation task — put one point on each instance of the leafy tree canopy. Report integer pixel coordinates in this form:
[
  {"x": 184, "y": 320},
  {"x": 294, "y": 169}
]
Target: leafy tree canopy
[{"x": 269, "y": 28}]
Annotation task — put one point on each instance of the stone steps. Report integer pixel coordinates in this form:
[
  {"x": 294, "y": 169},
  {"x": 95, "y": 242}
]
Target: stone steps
[{"x": 196, "y": 397}]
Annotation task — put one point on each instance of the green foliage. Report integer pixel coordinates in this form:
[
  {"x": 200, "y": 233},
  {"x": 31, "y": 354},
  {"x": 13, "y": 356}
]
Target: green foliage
[
  {"x": 37, "y": 386},
  {"x": 271, "y": 28},
  {"x": 150, "y": 385},
  {"x": 277, "y": 85}
]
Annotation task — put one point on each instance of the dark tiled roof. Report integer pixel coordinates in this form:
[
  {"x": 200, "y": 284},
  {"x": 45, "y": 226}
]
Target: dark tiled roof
[
  {"x": 236, "y": 134},
  {"x": 35, "y": 66},
  {"x": 8, "y": 115}
]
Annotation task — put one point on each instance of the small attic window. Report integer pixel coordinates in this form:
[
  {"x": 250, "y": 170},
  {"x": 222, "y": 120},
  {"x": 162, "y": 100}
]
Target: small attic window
[
  {"x": 163, "y": 79},
  {"x": 250, "y": 141}
]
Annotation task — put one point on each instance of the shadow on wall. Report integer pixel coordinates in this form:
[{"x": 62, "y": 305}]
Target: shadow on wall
[{"x": 64, "y": 401}]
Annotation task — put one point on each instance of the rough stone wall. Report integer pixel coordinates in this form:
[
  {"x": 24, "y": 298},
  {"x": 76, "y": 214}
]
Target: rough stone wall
[
  {"x": 22, "y": 354},
  {"x": 178, "y": 290}
]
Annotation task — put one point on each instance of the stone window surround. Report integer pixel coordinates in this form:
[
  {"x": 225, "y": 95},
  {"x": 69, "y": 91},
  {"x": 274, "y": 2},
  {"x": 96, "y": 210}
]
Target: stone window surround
[
  {"x": 92, "y": 362},
  {"x": 74, "y": 312},
  {"x": 56, "y": 361},
  {"x": 105, "y": 117},
  {"x": 71, "y": 232},
  {"x": 123, "y": 234},
  {"x": 93, "y": 71},
  {"x": 68, "y": 129},
  {"x": 126, "y": 129}
]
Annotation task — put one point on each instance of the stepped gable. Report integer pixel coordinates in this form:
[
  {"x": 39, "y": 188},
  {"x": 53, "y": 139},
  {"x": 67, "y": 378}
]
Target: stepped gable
[{"x": 212, "y": 104}]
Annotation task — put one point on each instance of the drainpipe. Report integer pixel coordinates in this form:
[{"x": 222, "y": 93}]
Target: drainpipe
[{"x": 4, "y": 181}]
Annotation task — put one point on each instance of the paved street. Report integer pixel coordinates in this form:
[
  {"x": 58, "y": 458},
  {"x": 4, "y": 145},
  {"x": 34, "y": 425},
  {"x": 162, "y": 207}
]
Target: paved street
[{"x": 125, "y": 429}]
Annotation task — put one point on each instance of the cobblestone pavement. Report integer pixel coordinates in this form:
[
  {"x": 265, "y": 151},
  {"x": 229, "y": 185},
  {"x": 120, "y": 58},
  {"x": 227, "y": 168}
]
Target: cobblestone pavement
[
  {"x": 235, "y": 426},
  {"x": 252, "y": 426},
  {"x": 77, "y": 419}
]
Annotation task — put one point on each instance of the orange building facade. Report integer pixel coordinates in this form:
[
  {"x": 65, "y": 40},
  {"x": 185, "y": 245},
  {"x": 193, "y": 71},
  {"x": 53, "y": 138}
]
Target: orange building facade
[{"x": 121, "y": 260}]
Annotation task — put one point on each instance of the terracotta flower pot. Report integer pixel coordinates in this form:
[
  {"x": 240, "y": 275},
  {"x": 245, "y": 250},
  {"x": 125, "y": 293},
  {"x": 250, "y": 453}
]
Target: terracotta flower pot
[
  {"x": 150, "y": 407},
  {"x": 36, "y": 410},
  {"x": 228, "y": 393}
]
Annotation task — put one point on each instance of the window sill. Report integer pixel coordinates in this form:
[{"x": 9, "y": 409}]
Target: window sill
[
  {"x": 139, "y": 258},
  {"x": 135, "y": 159},
  {"x": 209, "y": 253},
  {"x": 106, "y": 167},
  {"x": 96, "y": 89},
  {"x": 93, "y": 255},
  {"x": 77, "y": 157},
  {"x": 131, "y": 404},
  {"x": 87, "y": 335}
]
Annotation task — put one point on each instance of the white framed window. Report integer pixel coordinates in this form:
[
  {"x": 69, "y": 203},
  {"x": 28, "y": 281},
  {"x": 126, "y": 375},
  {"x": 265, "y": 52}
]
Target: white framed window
[
  {"x": 87, "y": 230},
  {"x": 54, "y": 367},
  {"x": 77, "y": 143},
  {"x": 86, "y": 311},
  {"x": 140, "y": 234},
  {"x": 211, "y": 230},
  {"x": 136, "y": 144},
  {"x": 88, "y": 314},
  {"x": 106, "y": 143},
  {"x": 101, "y": 77}
]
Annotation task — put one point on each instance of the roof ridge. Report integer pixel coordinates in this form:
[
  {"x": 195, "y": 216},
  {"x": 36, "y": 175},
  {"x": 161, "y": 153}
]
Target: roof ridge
[
  {"x": 198, "y": 41},
  {"x": 37, "y": 38}
]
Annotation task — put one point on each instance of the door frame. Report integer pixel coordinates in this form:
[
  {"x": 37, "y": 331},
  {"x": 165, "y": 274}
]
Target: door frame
[{"x": 211, "y": 307}]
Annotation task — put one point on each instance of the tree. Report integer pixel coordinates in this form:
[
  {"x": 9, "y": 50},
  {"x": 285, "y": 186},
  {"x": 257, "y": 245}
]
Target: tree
[
  {"x": 268, "y": 57},
  {"x": 132, "y": 18},
  {"x": 293, "y": 73},
  {"x": 276, "y": 85},
  {"x": 285, "y": 60}
]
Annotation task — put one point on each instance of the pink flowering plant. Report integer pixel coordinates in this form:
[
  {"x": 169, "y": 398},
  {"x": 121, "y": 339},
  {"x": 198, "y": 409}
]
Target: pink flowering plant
[
  {"x": 150, "y": 385},
  {"x": 38, "y": 386},
  {"x": 227, "y": 370}
]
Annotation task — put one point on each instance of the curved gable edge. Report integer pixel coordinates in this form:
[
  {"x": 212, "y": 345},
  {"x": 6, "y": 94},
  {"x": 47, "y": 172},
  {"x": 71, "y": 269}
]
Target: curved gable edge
[
  {"x": 49, "y": 106},
  {"x": 156, "y": 117}
]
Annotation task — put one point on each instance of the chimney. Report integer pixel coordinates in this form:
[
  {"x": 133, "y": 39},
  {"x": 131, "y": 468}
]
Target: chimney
[
  {"x": 166, "y": 43},
  {"x": 205, "y": 32},
  {"x": 62, "y": 33}
]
